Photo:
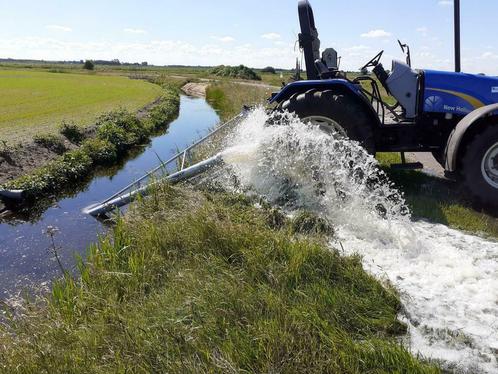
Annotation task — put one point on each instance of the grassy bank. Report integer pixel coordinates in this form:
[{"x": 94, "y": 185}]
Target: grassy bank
[
  {"x": 116, "y": 133},
  {"x": 228, "y": 98},
  {"x": 203, "y": 282},
  {"x": 34, "y": 101}
]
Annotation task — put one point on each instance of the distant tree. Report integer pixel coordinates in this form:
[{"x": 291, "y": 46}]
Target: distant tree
[
  {"x": 144, "y": 63},
  {"x": 88, "y": 65},
  {"x": 240, "y": 72},
  {"x": 269, "y": 69}
]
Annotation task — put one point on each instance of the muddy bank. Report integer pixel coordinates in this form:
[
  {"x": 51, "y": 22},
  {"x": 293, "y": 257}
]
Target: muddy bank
[
  {"x": 24, "y": 158},
  {"x": 195, "y": 89}
]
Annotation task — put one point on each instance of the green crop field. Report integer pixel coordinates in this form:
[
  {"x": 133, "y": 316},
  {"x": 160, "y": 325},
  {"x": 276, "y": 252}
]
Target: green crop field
[{"x": 33, "y": 101}]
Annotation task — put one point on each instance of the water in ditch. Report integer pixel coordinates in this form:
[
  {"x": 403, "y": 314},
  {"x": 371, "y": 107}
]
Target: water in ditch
[
  {"x": 25, "y": 257},
  {"x": 447, "y": 280}
]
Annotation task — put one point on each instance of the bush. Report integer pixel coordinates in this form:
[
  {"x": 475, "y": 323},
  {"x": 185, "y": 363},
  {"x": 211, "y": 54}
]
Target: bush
[
  {"x": 88, "y": 65},
  {"x": 68, "y": 168},
  {"x": 269, "y": 69},
  {"x": 117, "y": 132},
  {"x": 51, "y": 142},
  {"x": 241, "y": 72},
  {"x": 101, "y": 151},
  {"x": 121, "y": 128},
  {"x": 72, "y": 132}
]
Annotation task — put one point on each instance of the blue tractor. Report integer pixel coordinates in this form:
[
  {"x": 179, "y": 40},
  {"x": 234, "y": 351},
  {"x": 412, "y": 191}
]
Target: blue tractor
[{"x": 452, "y": 115}]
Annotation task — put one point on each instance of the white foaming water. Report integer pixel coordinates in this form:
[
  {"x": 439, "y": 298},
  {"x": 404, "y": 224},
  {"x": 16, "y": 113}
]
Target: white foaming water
[{"x": 448, "y": 281}]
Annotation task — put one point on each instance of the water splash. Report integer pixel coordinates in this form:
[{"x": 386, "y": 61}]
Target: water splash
[{"x": 448, "y": 280}]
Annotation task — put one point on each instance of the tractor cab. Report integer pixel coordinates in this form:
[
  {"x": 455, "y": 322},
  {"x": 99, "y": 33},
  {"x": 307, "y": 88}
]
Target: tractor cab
[
  {"x": 402, "y": 82},
  {"x": 417, "y": 92}
]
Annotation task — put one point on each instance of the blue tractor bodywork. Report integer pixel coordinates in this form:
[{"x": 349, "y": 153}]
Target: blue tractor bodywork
[
  {"x": 452, "y": 115},
  {"x": 457, "y": 93}
]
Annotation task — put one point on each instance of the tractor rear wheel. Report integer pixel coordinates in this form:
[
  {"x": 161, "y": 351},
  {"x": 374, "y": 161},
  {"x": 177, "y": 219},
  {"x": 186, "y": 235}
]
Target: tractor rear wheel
[
  {"x": 333, "y": 112},
  {"x": 480, "y": 166}
]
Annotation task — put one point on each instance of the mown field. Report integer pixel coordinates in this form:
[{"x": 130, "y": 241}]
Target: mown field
[{"x": 37, "y": 101}]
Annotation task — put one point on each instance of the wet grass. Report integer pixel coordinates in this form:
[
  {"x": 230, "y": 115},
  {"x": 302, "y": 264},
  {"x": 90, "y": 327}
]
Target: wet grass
[
  {"x": 439, "y": 200},
  {"x": 428, "y": 197},
  {"x": 200, "y": 282}
]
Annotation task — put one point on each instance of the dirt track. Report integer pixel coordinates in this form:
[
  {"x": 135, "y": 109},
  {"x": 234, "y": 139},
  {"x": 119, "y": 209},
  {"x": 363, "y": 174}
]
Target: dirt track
[{"x": 195, "y": 89}]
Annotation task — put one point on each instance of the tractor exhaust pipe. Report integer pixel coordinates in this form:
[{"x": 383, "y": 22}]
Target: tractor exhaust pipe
[{"x": 458, "y": 67}]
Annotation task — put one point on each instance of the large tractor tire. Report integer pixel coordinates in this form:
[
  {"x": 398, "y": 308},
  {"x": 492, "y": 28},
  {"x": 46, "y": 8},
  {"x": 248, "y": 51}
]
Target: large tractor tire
[
  {"x": 480, "y": 166},
  {"x": 333, "y": 113}
]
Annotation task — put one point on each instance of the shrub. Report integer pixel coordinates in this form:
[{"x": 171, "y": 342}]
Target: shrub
[
  {"x": 163, "y": 112},
  {"x": 121, "y": 128},
  {"x": 69, "y": 167},
  {"x": 101, "y": 151},
  {"x": 6, "y": 150},
  {"x": 117, "y": 131},
  {"x": 241, "y": 72},
  {"x": 88, "y": 65},
  {"x": 51, "y": 142},
  {"x": 72, "y": 132},
  {"x": 269, "y": 69}
]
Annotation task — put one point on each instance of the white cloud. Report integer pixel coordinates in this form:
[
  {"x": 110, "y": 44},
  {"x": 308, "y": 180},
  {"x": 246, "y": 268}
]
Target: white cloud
[
  {"x": 159, "y": 52},
  {"x": 356, "y": 51},
  {"x": 59, "y": 28},
  {"x": 376, "y": 34},
  {"x": 445, "y": 2},
  {"x": 224, "y": 39},
  {"x": 423, "y": 30},
  {"x": 487, "y": 55},
  {"x": 356, "y": 48},
  {"x": 130, "y": 30},
  {"x": 271, "y": 36}
]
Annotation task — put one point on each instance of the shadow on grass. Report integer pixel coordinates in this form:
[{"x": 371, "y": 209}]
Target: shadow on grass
[{"x": 441, "y": 201}]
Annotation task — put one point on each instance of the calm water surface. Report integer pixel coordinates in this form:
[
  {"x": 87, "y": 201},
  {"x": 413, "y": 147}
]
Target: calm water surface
[{"x": 25, "y": 260}]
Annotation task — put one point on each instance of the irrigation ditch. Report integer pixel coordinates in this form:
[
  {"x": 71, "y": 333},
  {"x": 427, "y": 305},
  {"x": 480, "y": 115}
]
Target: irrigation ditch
[{"x": 26, "y": 258}]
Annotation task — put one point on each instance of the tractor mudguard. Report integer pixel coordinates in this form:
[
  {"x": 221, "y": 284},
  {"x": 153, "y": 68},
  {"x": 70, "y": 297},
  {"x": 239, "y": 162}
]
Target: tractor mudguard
[
  {"x": 457, "y": 135},
  {"x": 341, "y": 86},
  {"x": 303, "y": 86}
]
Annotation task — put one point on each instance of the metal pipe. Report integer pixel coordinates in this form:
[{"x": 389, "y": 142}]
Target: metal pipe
[
  {"x": 458, "y": 67},
  {"x": 175, "y": 157},
  {"x": 119, "y": 201},
  {"x": 12, "y": 194}
]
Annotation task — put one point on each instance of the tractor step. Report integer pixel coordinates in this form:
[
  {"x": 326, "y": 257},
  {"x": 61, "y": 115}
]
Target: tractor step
[{"x": 407, "y": 166}]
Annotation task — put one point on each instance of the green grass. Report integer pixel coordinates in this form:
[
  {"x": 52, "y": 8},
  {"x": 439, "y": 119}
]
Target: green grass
[
  {"x": 33, "y": 101},
  {"x": 228, "y": 98},
  {"x": 438, "y": 200},
  {"x": 116, "y": 133},
  {"x": 197, "y": 282}
]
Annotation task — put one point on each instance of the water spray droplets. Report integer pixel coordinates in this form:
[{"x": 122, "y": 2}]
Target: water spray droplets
[
  {"x": 298, "y": 165},
  {"x": 447, "y": 279}
]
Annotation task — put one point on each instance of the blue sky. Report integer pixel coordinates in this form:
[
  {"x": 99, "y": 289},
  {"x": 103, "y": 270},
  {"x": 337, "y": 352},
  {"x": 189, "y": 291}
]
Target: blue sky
[{"x": 256, "y": 33}]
